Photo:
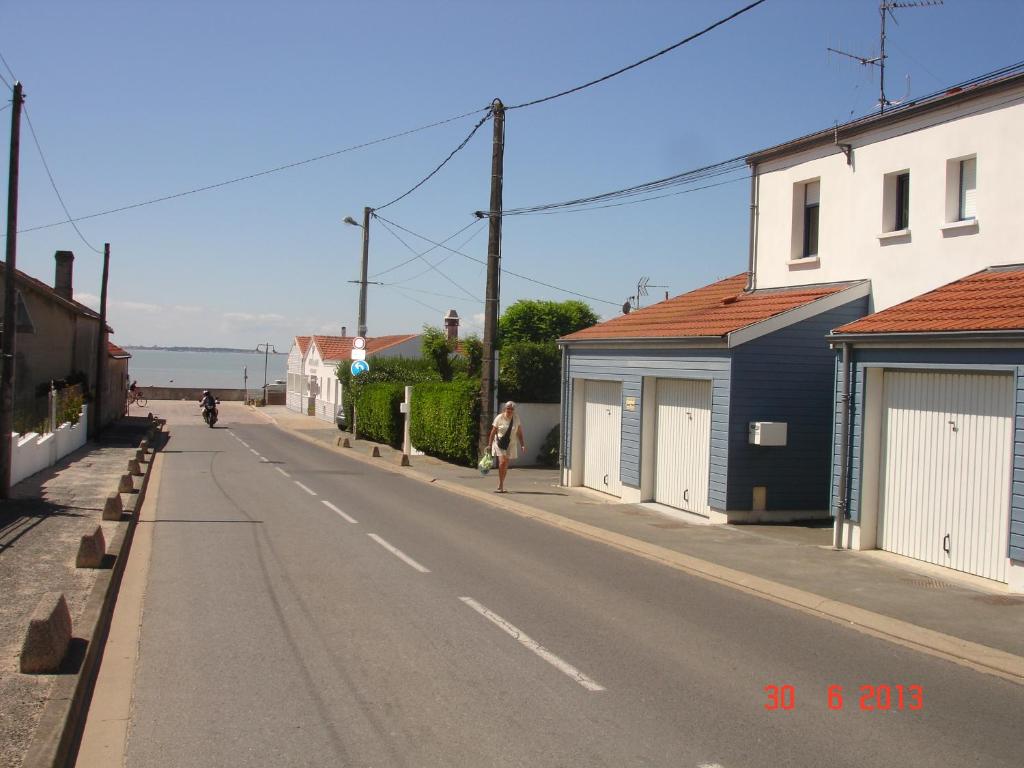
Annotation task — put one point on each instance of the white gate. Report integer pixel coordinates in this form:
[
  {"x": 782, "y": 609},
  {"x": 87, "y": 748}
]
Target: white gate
[
  {"x": 684, "y": 444},
  {"x": 602, "y": 436},
  {"x": 946, "y": 464}
]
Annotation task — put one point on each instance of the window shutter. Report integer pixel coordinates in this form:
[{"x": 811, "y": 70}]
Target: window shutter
[
  {"x": 812, "y": 191},
  {"x": 968, "y": 185}
]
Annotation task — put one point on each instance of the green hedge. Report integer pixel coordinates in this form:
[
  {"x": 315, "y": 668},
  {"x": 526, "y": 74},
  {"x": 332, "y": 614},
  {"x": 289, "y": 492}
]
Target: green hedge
[
  {"x": 445, "y": 420},
  {"x": 530, "y": 372},
  {"x": 396, "y": 370},
  {"x": 378, "y": 412}
]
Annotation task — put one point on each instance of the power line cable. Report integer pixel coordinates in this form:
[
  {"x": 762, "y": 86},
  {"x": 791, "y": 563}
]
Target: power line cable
[
  {"x": 442, "y": 274},
  {"x": 413, "y": 299},
  {"x": 4, "y": 81},
  {"x": 424, "y": 253},
  {"x": 745, "y": 177},
  {"x": 7, "y": 67},
  {"x": 258, "y": 174},
  {"x": 53, "y": 183},
  {"x": 503, "y": 270},
  {"x": 444, "y": 162},
  {"x": 441, "y": 261},
  {"x": 653, "y": 56}
]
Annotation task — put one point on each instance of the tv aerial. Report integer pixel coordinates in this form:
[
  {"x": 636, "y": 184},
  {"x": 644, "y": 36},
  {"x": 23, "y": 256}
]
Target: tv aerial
[
  {"x": 885, "y": 9},
  {"x": 633, "y": 302}
]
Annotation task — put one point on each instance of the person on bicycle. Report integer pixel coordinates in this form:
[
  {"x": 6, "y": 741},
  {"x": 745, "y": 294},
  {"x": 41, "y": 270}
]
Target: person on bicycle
[{"x": 134, "y": 386}]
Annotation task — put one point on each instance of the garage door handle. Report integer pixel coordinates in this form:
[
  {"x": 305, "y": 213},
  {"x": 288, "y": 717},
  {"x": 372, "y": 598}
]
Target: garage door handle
[
  {"x": 945, "y": 543},
  {"x": 606, "y": 479},
  {"x": 686, "y": 495}
]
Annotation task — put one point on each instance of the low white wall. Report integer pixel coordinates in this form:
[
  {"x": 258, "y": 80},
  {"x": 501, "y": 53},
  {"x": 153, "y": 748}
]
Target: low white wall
[
  {"x": 34, "y": 452},
  {"x": 537, "y": 420}
]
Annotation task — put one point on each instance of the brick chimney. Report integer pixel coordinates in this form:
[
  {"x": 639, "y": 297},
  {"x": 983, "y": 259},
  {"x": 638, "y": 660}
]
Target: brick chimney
[
  {"x": 451, "y": 324},
  {"x": 62, "y": 283}
]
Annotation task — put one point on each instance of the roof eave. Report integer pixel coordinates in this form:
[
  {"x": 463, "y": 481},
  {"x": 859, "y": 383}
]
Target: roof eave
[
  {"x": 646, "y": 341},
  {"x": 903, "y": 336},
  {"x": 836, "y": 135}
]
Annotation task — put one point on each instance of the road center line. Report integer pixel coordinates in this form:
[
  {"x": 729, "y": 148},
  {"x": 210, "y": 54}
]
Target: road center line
[
  {"x": 308, "y": 490},
  {"x": 335, "y": 509},
  {"x": 244, "y": 443},
  {"x": 282, "y": 471},
  {"x": 533, "y": 645},
  {"x": 398, "y": 553},
  {"x": 255, "y": 451}
]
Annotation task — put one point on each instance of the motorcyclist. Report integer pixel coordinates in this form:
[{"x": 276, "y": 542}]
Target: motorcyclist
[{"x": 208, "y": 402}]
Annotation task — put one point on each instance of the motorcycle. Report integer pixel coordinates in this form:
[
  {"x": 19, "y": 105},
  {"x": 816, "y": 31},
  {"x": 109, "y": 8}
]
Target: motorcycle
[{"x": 210, "y": 414}]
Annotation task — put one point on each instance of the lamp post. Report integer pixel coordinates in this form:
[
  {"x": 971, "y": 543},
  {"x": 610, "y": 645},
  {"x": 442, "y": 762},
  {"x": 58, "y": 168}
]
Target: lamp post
[
  {"x": 267, "y": 347},
  {"x": 361, "y": 331}
]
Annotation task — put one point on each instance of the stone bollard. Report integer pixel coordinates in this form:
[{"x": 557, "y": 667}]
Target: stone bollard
[
  {"x": 91, "y": 550},
  {"x": 140, "y": 456},
  {"x": 134, "y": 468},
  {"x": 126, "y": 485},
  {"x": 112, "y": 508},
  {"x": 48, "y": 635},
  {"x": 144, "y": 445},
  {"x": 403, "y": 460},
  {"x": 375, "y": 452},
  {"x": 345, "y": 443}
]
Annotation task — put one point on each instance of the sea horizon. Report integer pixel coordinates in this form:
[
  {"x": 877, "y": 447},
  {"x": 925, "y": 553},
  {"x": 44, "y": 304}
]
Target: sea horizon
[{"x": 209, "y": 369}]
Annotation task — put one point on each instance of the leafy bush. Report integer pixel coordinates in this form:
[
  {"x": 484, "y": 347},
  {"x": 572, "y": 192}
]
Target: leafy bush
[
  {"x": 532, "y": 320},
  {"x": 445, "y": 420},
  {"x": 530, "y": 372},
  {"x": 548, "y": 454},
  {"x": 438, "y": 348},
  {"x": 394, "y": 370},
  {"x": 379, "y": 416}
]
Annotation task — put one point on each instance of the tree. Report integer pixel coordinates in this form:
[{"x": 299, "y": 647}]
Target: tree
[
  {"x": 540, "y": 320},
  {"x": 438, "y": 349}
]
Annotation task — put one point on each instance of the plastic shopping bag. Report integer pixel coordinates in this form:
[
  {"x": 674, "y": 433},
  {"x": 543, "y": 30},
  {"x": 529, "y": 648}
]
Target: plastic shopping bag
[{"x": 486, "y": 463}]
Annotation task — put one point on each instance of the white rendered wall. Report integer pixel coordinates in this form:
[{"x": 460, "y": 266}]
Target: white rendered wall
[{"x": 851, "y": 203}]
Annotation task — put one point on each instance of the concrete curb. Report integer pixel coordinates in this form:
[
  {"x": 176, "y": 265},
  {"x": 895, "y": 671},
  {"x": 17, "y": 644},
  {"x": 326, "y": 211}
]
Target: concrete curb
[
  {"x": 56, "y": 738},
  {"x": 979, "y": 657}
]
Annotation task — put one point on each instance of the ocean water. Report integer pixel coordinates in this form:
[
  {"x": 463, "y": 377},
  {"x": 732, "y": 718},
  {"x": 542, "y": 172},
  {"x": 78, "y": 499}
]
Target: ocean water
[{"x": 223, "y": 370}]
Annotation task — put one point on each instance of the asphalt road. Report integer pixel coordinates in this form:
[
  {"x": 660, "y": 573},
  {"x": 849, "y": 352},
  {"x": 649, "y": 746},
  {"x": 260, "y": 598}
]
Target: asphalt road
[{"x": 304, "y": 609}]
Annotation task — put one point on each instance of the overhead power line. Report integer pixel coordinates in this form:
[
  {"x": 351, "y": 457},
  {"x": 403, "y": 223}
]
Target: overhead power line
[
  {"x": 53, "y": 183},
  {"x": 258, "y": 174},
  {"x": 440, "y": 261},
  {"x": 384, "y": 223},
  {"x": 634, "y": 65},
  {"x": 421, "y": 254},
  {"x": 444, "y": 162},
  {"x": 504, "y": 271}
]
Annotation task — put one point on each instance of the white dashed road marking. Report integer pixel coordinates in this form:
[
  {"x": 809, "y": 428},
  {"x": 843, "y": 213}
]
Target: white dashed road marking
[
  {"x": 398, "y": 553},
  {"x": 310, "y": 491},
  {"x": 533, "y": 645},
  {"x": 335, "y": 509},
  {"x": 282, "y": 471}
]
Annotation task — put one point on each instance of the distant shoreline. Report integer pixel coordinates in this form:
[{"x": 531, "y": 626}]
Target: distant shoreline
[{"x": 218, "y": 350}]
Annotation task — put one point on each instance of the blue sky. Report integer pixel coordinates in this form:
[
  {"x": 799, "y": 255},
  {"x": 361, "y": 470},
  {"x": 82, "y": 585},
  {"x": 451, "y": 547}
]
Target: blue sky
[{"x": 135, "y": 100}]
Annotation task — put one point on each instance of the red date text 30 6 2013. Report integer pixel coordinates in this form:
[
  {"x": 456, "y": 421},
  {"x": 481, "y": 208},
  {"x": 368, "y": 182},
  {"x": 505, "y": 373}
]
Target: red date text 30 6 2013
[{"x": 869, "y": 698}]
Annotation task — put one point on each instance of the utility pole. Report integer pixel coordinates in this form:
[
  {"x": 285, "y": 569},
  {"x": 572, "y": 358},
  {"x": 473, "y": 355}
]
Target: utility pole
[
  {"x": 10, "y": 331},
  {"x": 101, "y": 354},
  {"x": 489, "y": 376},
  {"x": 362, "y": 273},
  {"x": 266, "y": 348}
]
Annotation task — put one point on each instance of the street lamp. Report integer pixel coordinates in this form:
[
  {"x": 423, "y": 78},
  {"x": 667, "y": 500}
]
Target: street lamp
[
  {"x": 267, "y": 347},
  {"x": 365, "y": 226}
]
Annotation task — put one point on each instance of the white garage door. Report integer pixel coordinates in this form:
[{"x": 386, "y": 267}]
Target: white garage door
[
  {"x": 684, "y": 444},
  {"x": 602, "y": 436},
  {"x": 946, "y": 463}
]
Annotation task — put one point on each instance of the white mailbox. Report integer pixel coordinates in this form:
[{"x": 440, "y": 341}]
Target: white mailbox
[{"x": 767, "y": 433}]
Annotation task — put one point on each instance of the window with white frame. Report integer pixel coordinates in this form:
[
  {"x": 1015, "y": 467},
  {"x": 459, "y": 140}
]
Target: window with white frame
[
  {"x": 896, "y": 202},
  {"x": 806, "y": 205},
  {"x": 961, "y": 190}
]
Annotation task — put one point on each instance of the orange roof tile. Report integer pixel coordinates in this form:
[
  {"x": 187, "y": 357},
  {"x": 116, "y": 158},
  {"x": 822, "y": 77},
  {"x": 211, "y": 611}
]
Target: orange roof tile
[
  {"x": 115, "y": 351},
  {"x": 991, "y": 300},
  {"x": 303, "y": 342},
  {"x": 340, "y": 347},
  {"x": 713, "y": 311}
]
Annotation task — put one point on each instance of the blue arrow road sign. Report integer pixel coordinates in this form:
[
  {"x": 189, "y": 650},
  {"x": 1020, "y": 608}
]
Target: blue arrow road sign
[{"x": 359, "y": 366}]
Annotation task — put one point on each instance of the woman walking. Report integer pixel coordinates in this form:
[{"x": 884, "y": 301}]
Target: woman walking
[{"x": 506, "y": 426}]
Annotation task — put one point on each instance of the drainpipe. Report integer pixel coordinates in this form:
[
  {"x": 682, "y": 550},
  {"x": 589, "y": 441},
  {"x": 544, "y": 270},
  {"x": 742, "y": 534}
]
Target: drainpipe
[
  {"x": 751, "y": 266},
  {"x": 562, "y": 429},
  {"x": 844, "y": 442}
]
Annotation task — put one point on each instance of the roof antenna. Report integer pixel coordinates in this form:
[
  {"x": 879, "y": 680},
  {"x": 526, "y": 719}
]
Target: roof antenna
[{"x": 885, "y": 8}]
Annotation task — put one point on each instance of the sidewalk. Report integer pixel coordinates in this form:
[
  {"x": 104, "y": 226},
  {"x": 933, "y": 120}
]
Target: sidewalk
[
  {"x": 916, "y": 605},
  {"x": 40, "y": 529}
]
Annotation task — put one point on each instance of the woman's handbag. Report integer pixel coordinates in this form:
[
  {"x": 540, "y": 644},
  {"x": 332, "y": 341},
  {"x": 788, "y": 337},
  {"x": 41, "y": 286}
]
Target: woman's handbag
[
  {"x": 486, "y": 463},
  {"x": 504, "y": 440}
]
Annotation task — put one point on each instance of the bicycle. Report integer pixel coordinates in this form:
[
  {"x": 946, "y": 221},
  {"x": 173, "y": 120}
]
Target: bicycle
[{"x": 136, "y": 398}]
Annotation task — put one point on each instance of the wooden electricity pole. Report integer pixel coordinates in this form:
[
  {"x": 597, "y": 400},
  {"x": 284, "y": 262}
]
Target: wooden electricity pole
[
  {"x": 488, "y": 381},
  {"x": 102, "y": 356},
  {"x": 10, "y": 330}
]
